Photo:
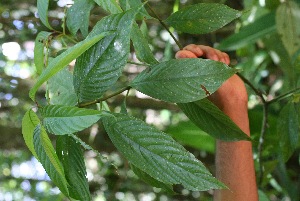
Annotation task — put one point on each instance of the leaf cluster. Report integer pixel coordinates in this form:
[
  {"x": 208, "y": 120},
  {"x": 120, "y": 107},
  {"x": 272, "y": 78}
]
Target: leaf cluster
[{"x": 100, "y": 59}]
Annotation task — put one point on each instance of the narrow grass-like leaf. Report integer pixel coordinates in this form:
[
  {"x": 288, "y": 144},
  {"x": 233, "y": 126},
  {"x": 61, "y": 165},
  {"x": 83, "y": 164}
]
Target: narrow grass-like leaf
[
  {"x": 288, "y": 26},
  {"x": 78, "y": 16},
  {"x": 157, "y": 154},
  {"x": 42, "y": 6},
  {"x": 64, "y": 59},
  {"x": 71, "y": 156},
  {"x": 251, "y": 33},
  {"x": 150, "y": 180},
  {"x": 202, "y": 18},
  {"x": 110, "y": 6},
  {"x": 141, "y": 46},
  {"x": 62, "y": 120},
  {"x": 29, "y": 122},
  {"x": 182, "y": 80},
  {"x": 288, "y": 130},
  {"x": 212, "y": 120},
  {"x": 47, "y": 156},
  {"x": 39, "y": 45},
  {"x": 100, "y": 67},
  {"x": 61, "y": 90}
]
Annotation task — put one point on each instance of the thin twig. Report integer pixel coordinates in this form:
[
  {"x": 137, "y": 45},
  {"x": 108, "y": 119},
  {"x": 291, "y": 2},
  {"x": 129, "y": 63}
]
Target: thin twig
[
  {"x": 138, "y": 64},
  {"x": 261, "y": 142},
  {"x": 287, "y": 94},
  {"x": 257, "y": 91},
  {"x": 104, "y": 98},
  {"x": 165, "y": 26},
  {"x": 263, "y": 127}
]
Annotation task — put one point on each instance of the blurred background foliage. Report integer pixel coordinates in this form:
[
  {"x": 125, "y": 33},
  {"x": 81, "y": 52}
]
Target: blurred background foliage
[{"x": 261, "y": 43}]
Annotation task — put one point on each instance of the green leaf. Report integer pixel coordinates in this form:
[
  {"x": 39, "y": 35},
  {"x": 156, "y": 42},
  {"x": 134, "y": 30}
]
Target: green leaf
[
  {"x": 61, "y": 90},
  {"x": 251, "y": 33},
  {"x": 101, "y": 66},
  {"x": 144, "y": 29},
  {"x": 296, "y": 60},
  {"x": 202, "y": 18},
  {"x": 182, "y": 80},
  {"x": 281, "y": 56},
  {"x": 141, "y": 46},
  {"x": 288, "y": 130},
  {"x": 212, "y": 120},
  {"x": 29, "y": 122},
  {"x": 262, "y": 196},
  {"x": 39, "y": 45},
  {"x": 131, "y": 4},
  {"x": 64, "y": 59},
  {"x": 150, "y": 180},
  {"x": 62, "y": 120},
  {"x": 42, "y": 6},
  {"x": 110, "y": 6},
  {"x": 47, "y": 156},
  {"x": 288, "y": 26},
  {"x": 157, "y": 154},
  {"x": 71, "y": 156},
  {"x": 78, "y": 16},
  {"x": 189, "y": 134}
]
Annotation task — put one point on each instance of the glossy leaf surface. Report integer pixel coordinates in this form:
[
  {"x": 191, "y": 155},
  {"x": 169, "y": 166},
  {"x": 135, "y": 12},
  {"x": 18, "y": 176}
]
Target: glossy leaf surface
[
  {"x": 71, "y": 156},
  {"x": 110, "y": 6},
  {"x": 39, "y": 46},
  {"x": 62, "y": 120},
  {"x": 101, "y": 66},
  {"x": 150, "y": 180},
  {"x": 202, "y": 18},
  {"x": 212, "y": 120},
  {"x": 47, "y": 156},
  {"x": 189, "y": 134},
  {"x": 29, "y": 122},
  {"x": 42, "y": 6},
  {"x": 141, "y": 46},
  {"x": 182, "y": 80},
  {"x": 61, "y": 90},
  {"x": 133, "y": 4},
  {"x": 64, "y": 59},
  {"x": 78, "y": 16},
  {"x": 156, "y": 153}
]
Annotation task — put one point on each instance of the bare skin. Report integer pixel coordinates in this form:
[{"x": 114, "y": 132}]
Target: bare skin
[{"x": 234, "y": 161}]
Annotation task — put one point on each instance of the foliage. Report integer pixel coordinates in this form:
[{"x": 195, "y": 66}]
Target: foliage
[
  {"x": 100, "y": 59},
  {"x": 270, "y": 42}
]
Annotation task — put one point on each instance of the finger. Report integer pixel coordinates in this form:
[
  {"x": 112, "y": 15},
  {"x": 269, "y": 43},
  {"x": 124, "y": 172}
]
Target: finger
[
  {"x": 214, "y": 54},
  {"x": 185, "y": 54},
  {"x": 221, "y": 56},
  {"x": 226, "y": 57},
  {"x": 209, "y": 52},
  {"x": 195, "y": 49}
]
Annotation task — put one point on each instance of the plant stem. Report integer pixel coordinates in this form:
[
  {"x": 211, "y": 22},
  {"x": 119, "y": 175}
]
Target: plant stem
[
  {"x": 104, "y": 98},
  {"x": 263, "y": 127},
  {"x": 138, "y": 64},
  {"x": 261, "y": 142},
  {"x": 288, "y": 94},
  {"x": 257, "y": 92},
  {"x": 165, "y": 26}
]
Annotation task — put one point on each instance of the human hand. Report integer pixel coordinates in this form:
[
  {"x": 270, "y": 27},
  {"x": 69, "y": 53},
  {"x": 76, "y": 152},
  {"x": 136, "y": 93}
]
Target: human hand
[
  {"x": 196, "y": 51},
  {"x": 233, "y": 92}
]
